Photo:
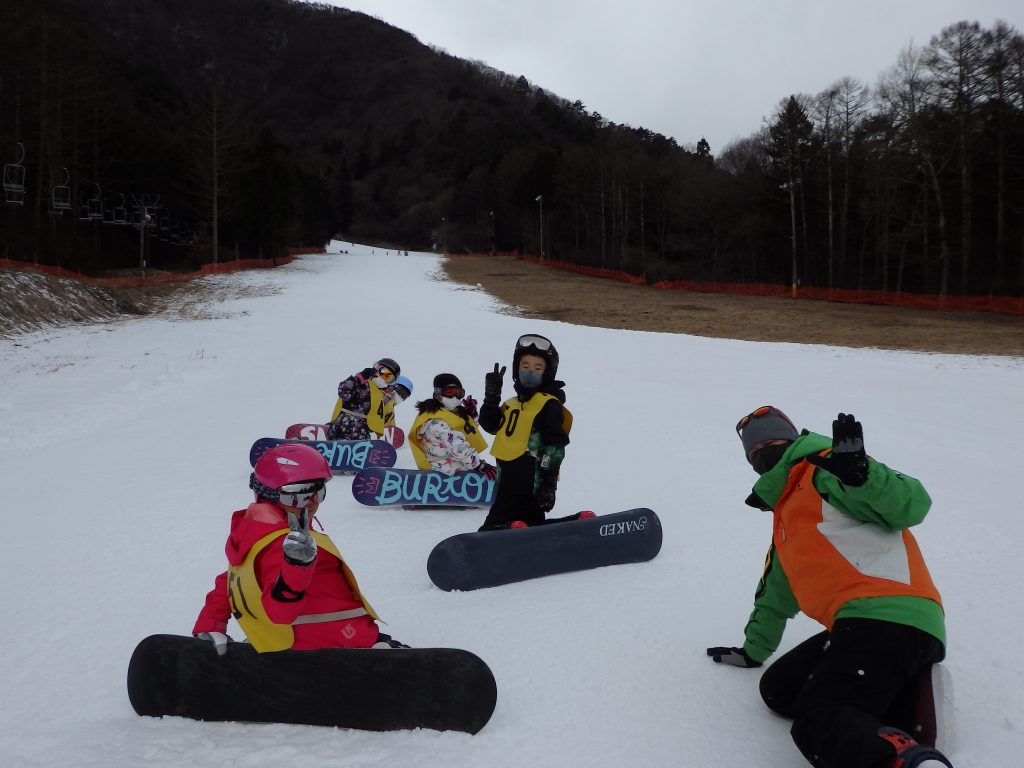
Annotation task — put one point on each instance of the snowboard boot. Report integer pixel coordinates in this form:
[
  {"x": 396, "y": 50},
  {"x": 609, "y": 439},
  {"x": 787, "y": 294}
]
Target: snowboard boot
[
  {"x": 910, "y": 754},
  {"x": 585, "y": 515},
  {"x": 502, "y": 526},
  {"x": 387, "y": 641}
]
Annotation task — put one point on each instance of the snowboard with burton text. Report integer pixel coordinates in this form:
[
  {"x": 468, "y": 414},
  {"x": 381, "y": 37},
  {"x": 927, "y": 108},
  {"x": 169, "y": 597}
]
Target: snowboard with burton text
[
  {"x": 341, "y": 455},
  {"x": 377, "y": 486}
]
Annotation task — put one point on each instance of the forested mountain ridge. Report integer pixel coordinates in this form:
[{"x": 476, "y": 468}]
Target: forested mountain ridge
[{"x": 267, "y": 123}]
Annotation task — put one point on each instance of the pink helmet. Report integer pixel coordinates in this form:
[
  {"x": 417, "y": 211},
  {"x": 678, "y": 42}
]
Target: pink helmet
[{"x": 286, "y": 464}]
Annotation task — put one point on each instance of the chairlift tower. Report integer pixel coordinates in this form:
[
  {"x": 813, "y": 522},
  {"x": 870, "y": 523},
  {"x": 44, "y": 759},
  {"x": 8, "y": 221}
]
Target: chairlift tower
[{"x": 144, "y": 204}]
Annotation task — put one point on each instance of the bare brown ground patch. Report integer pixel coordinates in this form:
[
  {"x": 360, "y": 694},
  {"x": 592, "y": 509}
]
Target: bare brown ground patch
[
  {"x": 535, "y": 291},
  {"x": 33, "y": 300}
]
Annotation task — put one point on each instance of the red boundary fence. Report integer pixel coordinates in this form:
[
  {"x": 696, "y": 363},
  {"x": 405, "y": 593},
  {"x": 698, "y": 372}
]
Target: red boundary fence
[
  {"x": 1007, "y": 305},
  {"x": 160, "y": 277}
]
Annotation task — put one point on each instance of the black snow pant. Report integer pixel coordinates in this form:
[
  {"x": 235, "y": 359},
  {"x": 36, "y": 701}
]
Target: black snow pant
[
  {"x": 513, "y": 498},
  {"x": 508, "y": 507},
  {"x": 840, "y": 687}
]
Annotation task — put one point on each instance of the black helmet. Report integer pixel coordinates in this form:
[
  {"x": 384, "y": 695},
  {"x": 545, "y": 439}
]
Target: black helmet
[
  {"x": 390, "y": 364},
  {"x": 532, "y": 344}
]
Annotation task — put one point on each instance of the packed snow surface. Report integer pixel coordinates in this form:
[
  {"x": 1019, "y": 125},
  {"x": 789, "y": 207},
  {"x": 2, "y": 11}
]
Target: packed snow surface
[{"x": 124, "y": 451}]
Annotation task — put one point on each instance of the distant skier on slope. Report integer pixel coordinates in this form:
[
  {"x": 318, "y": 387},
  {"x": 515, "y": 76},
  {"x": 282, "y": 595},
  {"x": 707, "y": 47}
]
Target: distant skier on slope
[
  {"x": 841, "y": 553},
  {"x": 445, "y": 436},
  {"x": 288, "y": 587}
]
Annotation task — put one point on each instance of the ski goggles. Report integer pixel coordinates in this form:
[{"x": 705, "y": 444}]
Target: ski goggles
[
  {"x": 764, "y": 410},
  {"x": 299, "y": 495},
  {"x": 386, "y": 373},
  {"x": 537, "y": 342},
  {"x": 451, "y": 390}
]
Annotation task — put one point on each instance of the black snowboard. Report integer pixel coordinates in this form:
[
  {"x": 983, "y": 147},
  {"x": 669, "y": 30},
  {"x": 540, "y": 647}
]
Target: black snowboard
[
  {"x": 476, "y": 560},
  {"x": 444, "y": 689}
]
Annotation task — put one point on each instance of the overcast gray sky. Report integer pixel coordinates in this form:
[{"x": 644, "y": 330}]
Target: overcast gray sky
[{"x": 684, "y": 68}]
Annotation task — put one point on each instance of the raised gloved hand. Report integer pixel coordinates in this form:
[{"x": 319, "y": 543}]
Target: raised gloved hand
[
  {"x": 493, "y": 382},
  {"x": 545, "y": 493},
  {"x": 366, "y": 374},
  {"x": 219, "y": 640},
  {"x": 737, "y": 657},
  {"x": 299, "y": 546},
  {"x": 487, "y": 470},
  {"x": 469, "y": 406},
  {"x": 848, "y": 461}
]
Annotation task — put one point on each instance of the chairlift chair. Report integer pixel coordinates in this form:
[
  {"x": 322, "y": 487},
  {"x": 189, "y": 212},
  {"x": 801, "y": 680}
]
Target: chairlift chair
[
  {"x": 95, "y": 204},
  {"x": 60, "y": 196},
  {"x": 83, "y": 207},
  {"x": 120, "y": 213},
  {"x": 14, "y": 180}
]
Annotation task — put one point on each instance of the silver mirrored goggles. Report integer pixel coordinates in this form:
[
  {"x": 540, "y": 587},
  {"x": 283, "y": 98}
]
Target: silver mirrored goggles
[
  {"x": 537, "y": 342},
  {"x": 299, "y": 495}
]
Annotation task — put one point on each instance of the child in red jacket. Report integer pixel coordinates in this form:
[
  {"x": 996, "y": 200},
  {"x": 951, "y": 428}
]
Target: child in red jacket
[{"x": 287, "y": 587}]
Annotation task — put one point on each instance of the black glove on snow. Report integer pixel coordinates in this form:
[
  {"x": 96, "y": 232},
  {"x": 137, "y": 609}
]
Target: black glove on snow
[
  {"x": 848, "y": 461},
  {"x": 737, "y": 657},
  {"x": 492, "y": 384},
  {"x": 545, "y": 493}
]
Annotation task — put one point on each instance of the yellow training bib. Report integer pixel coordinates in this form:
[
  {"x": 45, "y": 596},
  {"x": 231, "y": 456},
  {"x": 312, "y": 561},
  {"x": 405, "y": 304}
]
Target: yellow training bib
[
  {"x": 453, "y": 420},
  {"x": 246, "y": 597},
  {"x": 513, "y": 438}
]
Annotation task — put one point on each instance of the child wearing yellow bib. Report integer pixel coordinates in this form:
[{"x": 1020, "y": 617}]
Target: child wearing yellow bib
[
  {"x": 364, "y": 404},
  {"x": 531, "y": 431},
  {"x": 445, "y": 436},
  {"x": 287, "y": 586}
]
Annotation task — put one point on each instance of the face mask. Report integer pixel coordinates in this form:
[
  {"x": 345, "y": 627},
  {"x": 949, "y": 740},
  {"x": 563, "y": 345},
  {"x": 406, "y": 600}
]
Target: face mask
[
  {"x": 766, "y": 458},
  {"x": 379, "y": 382},
  {"x": 451, "y": 403},
  {"x": 530, "y": 379}
]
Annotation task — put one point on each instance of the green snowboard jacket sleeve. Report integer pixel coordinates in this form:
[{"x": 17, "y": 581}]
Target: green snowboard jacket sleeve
[{"x": 889, "y": 499}]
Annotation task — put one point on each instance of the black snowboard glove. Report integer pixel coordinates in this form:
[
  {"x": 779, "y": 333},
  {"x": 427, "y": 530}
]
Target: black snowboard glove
[
  {"x": 848, "y": 461},
  {"x": 737, "y": 657},
  {"x": 545, "y": 493},
  {"x": 487, "y": 470},
  {"x": 367, "y": 374},
  {"x": 492, "y": 384}
]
